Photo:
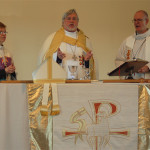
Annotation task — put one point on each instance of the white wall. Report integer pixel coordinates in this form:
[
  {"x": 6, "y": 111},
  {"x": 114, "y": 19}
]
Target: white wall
[{"x": 29, "y": 22}]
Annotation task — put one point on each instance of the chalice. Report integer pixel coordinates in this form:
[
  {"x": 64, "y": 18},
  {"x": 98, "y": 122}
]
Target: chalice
[{"x": 73, "y": 71}]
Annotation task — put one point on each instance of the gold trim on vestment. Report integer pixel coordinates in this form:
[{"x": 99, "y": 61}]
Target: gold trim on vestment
[
  {"x": 55, "y": 110},
  {"x": 60, "y": 37},
  {"x": 45, "y": 110}
]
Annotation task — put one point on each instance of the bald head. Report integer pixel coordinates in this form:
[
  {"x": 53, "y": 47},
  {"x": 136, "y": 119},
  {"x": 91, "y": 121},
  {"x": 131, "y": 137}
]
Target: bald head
[{"x": 143, "y": 12}]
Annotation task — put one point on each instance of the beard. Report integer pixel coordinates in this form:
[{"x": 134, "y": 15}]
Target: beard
[{"x": 70, "y": 28}]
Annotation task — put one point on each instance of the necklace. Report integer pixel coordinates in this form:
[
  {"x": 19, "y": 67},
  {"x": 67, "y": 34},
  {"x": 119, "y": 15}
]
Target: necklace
[
  {"x": 74, "y": 57},
  {"x": 139, "y": 49}
]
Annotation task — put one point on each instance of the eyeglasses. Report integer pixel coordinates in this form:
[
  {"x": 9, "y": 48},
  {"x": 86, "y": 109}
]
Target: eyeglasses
[
  {"x": 73, "y": 18},
  {"x": 137, "y": 20},
  {"x": 3, "y": 32}
]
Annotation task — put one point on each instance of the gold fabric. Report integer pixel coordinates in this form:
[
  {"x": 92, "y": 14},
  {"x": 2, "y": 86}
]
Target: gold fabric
[
  {"x": 55, "y": 110},
  {"x": 61, "y": 37},
  {"x": 40, "y": 124},
  {"x": 144, "y": 118}
]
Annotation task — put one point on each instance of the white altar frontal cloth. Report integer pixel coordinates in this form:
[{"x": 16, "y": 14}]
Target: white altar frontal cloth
[{"x": 96, "y": 117}]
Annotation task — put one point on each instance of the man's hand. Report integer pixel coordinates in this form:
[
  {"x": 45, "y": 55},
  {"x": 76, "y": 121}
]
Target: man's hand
[
  {"x": 88, "y": 56},
  {"x": 10, "y": 69},
  {"x": 143, "y": 69},
  {"x": 60, "y": 54}
]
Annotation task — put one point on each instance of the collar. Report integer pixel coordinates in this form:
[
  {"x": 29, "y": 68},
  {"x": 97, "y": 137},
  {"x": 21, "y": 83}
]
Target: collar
[
  {"x": 143, "y": 35},
  {"x": 71, "y": 34}
]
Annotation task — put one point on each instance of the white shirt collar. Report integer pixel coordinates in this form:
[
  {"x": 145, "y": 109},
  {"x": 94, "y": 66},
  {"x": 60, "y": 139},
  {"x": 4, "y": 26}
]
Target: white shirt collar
[
  {"x": 143, "y": 35},
  {"x": 71, "y": 34}
]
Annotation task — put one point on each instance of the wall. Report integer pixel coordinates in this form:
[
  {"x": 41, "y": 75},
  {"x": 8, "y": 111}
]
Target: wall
[{"x": 29, "y": 22}]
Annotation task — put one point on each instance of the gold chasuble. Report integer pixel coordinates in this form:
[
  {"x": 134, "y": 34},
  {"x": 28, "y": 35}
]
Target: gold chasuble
[{"x": 60, "y": 37}]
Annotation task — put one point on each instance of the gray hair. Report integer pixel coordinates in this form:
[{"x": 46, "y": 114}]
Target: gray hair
[{"x": 69, "y": 12}]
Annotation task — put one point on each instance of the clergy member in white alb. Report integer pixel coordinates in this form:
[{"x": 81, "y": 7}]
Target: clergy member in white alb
[
  {"x": 137, "y": 45},
  {"x": 70, "y": 48}
]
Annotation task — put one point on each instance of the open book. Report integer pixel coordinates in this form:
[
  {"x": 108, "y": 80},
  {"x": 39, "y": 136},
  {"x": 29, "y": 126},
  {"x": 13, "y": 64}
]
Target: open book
[{"x": 128, "y": 67}]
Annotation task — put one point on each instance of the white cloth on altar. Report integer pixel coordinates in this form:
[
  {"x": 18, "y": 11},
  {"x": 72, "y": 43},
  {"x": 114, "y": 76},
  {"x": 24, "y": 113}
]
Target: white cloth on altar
[
  {"x": 76, "y": 100},
  {"x": 139, "y": 47},
  {"x": 14, "y": 120}
]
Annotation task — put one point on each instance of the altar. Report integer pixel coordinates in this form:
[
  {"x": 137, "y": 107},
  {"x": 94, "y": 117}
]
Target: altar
[{"x": 92, "y": 116}]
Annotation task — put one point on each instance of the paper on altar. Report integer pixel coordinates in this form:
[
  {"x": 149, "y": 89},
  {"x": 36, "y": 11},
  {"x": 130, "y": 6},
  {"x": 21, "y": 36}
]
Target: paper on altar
[{"x": 96, "y": 117}]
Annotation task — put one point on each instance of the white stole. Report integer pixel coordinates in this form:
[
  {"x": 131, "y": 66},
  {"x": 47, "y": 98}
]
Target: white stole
[{"x": 130, "y": 43}]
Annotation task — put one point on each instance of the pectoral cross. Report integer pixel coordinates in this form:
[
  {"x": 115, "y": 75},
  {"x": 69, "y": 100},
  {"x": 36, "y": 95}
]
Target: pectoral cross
[{"x": 74, "y": 57}]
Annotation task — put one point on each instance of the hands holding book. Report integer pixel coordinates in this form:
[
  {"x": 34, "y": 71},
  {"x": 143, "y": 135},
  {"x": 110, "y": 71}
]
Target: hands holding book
[{"x": 144, "y": 69}]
